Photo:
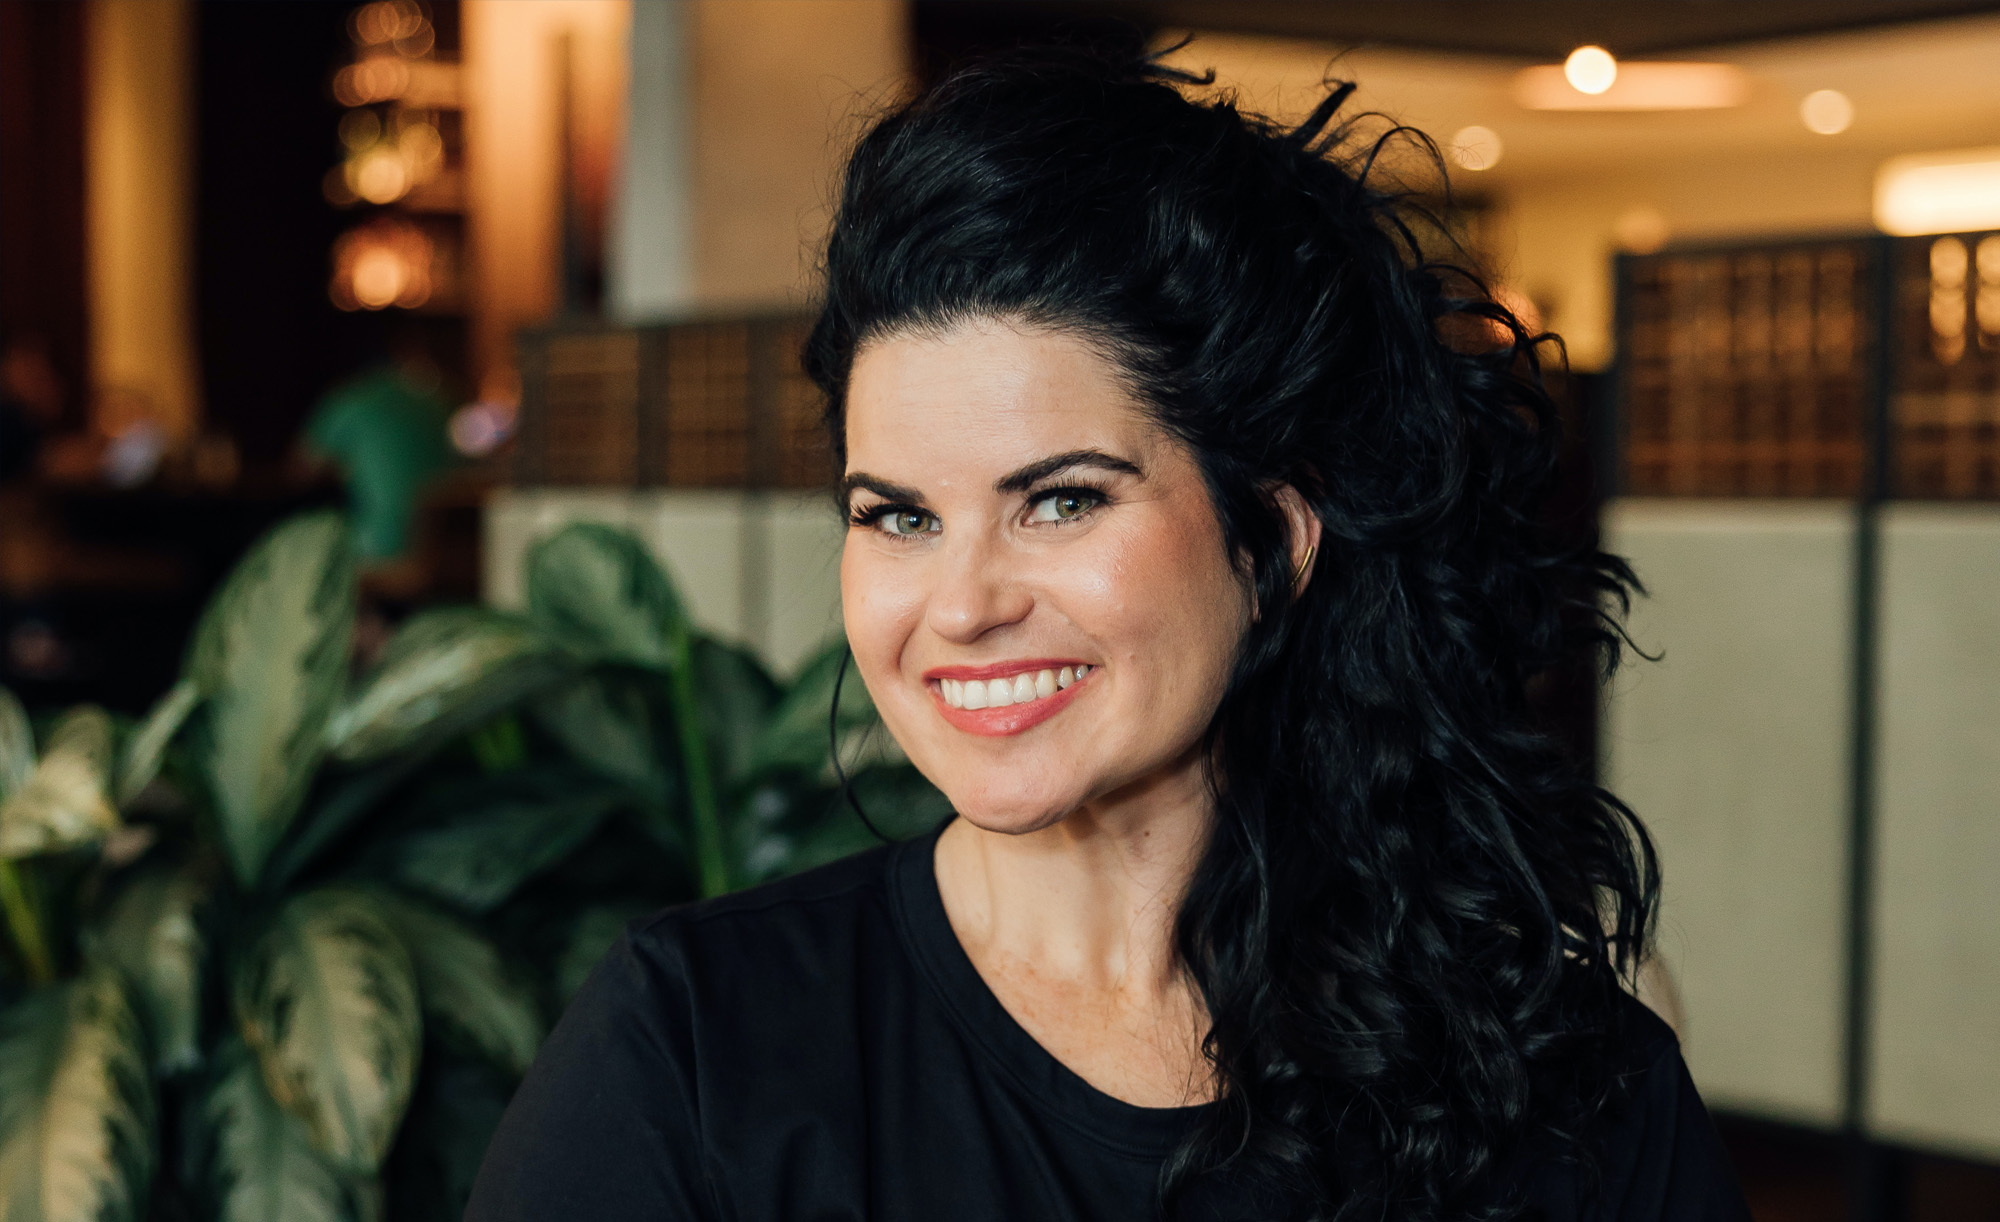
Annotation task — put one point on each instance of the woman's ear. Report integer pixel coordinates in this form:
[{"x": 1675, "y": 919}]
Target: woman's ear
[{"x": 1302, "y": 527}]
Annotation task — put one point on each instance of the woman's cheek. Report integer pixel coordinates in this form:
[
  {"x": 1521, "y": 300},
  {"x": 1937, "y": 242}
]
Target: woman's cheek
[{"x": 880, "y": 602}]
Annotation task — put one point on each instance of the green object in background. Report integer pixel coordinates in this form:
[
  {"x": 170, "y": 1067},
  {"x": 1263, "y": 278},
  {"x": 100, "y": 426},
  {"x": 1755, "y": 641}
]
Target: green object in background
[{"x": 388, "y": 435}]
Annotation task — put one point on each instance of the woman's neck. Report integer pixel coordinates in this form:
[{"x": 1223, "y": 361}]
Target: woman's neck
[{"x": 1072, "y": 926}]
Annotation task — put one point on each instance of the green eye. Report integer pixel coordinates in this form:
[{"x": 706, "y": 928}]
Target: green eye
[
  {"x": 907, "y": 522},
  {"x": 1063, "y": 505}
]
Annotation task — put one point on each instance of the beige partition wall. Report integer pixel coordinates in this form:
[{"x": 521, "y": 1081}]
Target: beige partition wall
[
  {"x": 762, "y": 568},
  {"x": 1935, "y": 1049},
  {"x": 1733, "y": 748}
]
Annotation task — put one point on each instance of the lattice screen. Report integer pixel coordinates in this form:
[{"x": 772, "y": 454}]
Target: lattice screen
[
  {"x": 1947, "y": 406},
  {"x": 1750, "y": 371},
  {"x": 1745, "y": 372},
  {"x": 713, "y": 404}
]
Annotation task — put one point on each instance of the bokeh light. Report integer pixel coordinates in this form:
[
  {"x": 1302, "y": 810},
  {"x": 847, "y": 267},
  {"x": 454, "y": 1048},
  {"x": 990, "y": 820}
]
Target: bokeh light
[
  {"x": 1590, "y": 69},
  {"x": 1827, "y": 112},
  {"x": 386, "y": 262},
  {"x": 1476, "y": 147}
]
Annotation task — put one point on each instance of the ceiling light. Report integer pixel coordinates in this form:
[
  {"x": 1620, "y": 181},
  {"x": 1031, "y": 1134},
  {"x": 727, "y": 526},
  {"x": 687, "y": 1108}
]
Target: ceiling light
[
  {"x": 1638, "y": 86},
  {"x": 1476, "y": 148},
  {"x": 1590, "y": 69},
  {"x": 1640, "y": 229},
  {"x": 1956, "y": 192},
  {"x": 1827, "y": 112}
]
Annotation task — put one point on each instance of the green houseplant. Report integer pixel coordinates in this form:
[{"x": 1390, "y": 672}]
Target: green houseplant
[{"x": 282, "y": 948}]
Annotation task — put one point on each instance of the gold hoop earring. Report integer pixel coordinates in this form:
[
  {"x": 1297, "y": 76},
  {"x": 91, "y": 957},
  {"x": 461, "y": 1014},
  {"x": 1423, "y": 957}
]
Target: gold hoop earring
[{"x": 1305, "y": 564}]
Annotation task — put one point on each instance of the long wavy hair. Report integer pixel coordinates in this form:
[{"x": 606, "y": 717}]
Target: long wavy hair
[{"x": 1413, "y": 913}]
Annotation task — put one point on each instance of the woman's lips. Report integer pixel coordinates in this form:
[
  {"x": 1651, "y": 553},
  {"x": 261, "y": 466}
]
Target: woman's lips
[{"x": 1007, "y": 698}]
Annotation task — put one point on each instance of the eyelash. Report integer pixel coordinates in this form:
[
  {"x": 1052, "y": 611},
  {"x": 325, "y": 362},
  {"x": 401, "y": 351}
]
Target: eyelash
[{"x": 870, "y": 516}]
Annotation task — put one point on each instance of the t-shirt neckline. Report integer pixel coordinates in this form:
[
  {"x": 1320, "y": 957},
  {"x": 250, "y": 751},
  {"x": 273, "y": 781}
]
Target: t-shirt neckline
[{"x": 1046, "y": 1082}]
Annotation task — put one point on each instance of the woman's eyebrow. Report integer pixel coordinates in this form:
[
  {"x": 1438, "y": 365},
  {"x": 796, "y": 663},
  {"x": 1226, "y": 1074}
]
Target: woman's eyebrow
[
  {"x": 880, "y": 487},
  {"x": 1027, "y": 477}
]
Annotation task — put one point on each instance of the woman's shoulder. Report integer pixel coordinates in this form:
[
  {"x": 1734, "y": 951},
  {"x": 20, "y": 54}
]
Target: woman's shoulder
[
  {"x": 781, "y": 936},
  {"x": 1655, "y": 1155}
]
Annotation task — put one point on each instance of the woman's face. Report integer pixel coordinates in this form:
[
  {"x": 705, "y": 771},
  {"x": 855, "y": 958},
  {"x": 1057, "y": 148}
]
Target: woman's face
[{"x": 1034, "y": 583}]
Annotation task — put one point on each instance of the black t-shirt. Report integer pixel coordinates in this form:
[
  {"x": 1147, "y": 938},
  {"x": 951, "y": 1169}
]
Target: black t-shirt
[{"x": 822, "y": 1049}]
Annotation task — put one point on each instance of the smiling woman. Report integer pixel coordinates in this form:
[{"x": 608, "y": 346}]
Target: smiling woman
[{"x": 1193, "y": 554}]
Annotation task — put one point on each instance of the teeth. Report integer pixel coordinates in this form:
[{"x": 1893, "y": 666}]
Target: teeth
[{"x": 999, "y": 693}]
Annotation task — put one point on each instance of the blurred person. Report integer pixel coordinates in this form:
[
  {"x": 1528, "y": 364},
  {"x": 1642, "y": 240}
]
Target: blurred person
[
  {"x": 1193, "y": 553},
  {"x": 385, "y": 429}
]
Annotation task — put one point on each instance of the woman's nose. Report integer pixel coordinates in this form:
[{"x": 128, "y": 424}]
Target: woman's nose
[{"x": 974, "y": 591}]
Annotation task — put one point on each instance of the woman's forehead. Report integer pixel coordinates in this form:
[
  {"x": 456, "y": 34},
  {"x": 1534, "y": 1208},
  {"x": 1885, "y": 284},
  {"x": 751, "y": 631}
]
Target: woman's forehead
[{"x": 989, "y": 391}]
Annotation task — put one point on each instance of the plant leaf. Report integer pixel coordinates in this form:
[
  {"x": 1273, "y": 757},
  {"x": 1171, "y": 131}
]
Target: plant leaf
[
  {"x": 64, "y": 803},
  {"x": 153, "y": 936},
  {"x": 502, "y": 831},
  {"x": 17, "y": 744},
  {"x": 261, "y": 1166},
  {"x": 736, "y": 696},
  {"x": 146, "y": 746},
  {"x": 269, "y": 657},
  {"x": 76, "y": 1105},
  {"x": 465, "y": 989},
  {"x": 327, "y": 1000},
  {"x": 795, "y": 736},
  {"x": 598, "y": 589},
  {"x": 607, "y": 724},
  {"x": 443, "y": 672}
]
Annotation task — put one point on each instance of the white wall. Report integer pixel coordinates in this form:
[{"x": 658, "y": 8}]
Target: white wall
[
  {"x": 1733, "y": 749},
  {"x": 1936, "y": 1016}
]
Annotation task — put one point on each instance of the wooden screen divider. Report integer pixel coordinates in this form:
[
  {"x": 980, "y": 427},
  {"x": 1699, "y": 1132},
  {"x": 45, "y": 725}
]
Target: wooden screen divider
[{"x": 715, "y": 403}]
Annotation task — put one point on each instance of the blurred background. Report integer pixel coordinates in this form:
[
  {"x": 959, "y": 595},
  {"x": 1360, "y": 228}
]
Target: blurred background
[{"x": 478, "y": 270}]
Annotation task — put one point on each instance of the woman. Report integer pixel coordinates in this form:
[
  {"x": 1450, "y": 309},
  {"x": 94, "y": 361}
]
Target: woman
[{"x": 1192, "y": 554}]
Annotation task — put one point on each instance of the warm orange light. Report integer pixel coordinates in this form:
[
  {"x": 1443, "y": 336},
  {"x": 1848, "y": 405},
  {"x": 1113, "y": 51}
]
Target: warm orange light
[
  {"x": 1476, "y": 147},
  {"x": 1637, "y": 86},
  {"x": 387, "y": 262},
  {"x": 1590, "y": 69},
  {"x": 379, "y": 175},
  {"x": 1955, "y": 192},
  {"x": 1641, "y": 229},
  {"x": 1826, "y": 112},
  {"x": 388, "y": 21}
]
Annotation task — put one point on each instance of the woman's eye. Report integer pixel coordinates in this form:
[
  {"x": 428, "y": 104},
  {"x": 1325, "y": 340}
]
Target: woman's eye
[
  {"x": 907, "y": 522},
  {"x": 1063, "y": 505}
]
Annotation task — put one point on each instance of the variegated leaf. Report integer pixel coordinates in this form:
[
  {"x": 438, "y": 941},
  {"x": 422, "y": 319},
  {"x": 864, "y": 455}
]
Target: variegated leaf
[
  {"x": 444, "y": 669},
  {"x": 147, "y": 746},
  {"x": 328, "y": 1001},
  {"x": 17, "y": 744},
  {"x": 261, "y": 1167},
  {"x": 64, "y": 803},
  {"x": 596, "y": 588},
  {"x": 466, "y": 990},
  {"x": 152, "y": 934},
  {"x": 76, "y": 1106},
  {"x": 269, "y": 658}
]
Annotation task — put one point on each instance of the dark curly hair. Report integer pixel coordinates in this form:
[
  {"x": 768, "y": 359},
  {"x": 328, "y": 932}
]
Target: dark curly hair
[{"x": 1411, "y": 919}]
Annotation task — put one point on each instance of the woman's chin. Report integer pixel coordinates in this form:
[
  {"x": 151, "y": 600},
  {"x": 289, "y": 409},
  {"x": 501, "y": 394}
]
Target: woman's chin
[{"x": 1010, "y": 813}]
